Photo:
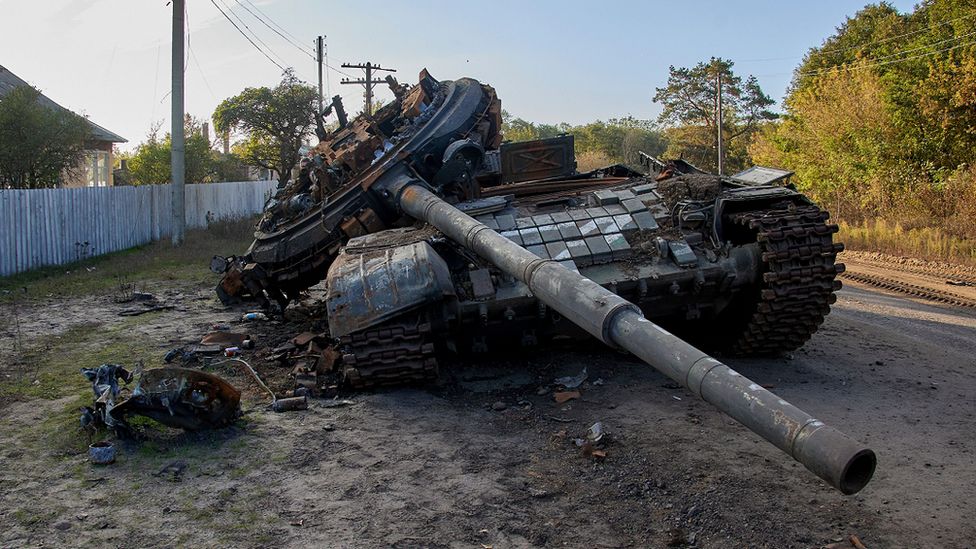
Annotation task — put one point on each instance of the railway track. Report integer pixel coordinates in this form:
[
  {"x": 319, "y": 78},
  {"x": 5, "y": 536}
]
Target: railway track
[
  {"x": 936, "y": 270},
  {"x": 929, "y": 283},
  {"x": 914, "y": 290}
]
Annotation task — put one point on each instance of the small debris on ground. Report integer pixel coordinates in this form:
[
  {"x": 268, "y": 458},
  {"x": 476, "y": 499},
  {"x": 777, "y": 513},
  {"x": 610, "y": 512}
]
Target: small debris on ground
[
  {"x": 564, "y": 396},
  {"x": 572, "y": 382}
]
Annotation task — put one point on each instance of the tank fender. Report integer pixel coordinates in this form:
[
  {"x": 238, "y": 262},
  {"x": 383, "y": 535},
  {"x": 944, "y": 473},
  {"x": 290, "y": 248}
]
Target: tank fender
[{"x": 368, "y": 288}]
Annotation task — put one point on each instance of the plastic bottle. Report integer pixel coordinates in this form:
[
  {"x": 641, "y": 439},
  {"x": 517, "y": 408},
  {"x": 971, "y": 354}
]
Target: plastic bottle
[{"x": 254, "y": 316}]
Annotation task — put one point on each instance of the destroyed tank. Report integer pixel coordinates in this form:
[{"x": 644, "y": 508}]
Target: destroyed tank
[{"x": 434, "y": 238}]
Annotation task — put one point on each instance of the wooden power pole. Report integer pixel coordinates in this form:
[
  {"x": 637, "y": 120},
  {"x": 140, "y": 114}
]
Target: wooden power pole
[
  {"x": 319, "y": 58},
  {"x": 368, "y": 82},
  {"x": 718, "y": 117},
  {"x": 177, "y": 159}
]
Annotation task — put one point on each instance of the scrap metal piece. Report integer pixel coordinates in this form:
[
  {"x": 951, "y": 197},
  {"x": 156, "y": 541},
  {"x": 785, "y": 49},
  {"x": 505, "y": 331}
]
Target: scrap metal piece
[
  {"x": 183, "y": 398},
  {"x": 105, "y": 385}
]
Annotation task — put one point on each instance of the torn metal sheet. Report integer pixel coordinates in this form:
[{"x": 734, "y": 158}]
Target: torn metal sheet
[{"x": 183, "y": 398}]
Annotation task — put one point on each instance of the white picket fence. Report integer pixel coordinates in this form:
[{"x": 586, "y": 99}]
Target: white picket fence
[{"x": 57, "y": 226}]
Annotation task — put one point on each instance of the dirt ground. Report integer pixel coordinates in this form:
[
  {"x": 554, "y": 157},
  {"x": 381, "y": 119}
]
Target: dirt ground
[{"x": 446, "y": 467}]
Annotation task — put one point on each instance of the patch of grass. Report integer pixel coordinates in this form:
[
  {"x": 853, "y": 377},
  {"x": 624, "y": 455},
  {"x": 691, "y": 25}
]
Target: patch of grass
[
  {"x": 155, "y": 262},
  {"x": 925, "y": 242},
  {"x": 51, "y": 371},
  {"x": 30, "y": 517},
  {"x": 239, "y": 472},
  {"x": 52, "y": 365}
]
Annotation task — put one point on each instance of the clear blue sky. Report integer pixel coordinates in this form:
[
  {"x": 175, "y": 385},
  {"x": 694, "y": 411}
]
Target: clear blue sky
[{"x": 551, "y": 61}]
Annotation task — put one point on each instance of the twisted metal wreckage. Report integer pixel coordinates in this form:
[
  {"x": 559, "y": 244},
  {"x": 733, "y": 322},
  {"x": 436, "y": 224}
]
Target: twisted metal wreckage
[{"x": 434, "y": 236}]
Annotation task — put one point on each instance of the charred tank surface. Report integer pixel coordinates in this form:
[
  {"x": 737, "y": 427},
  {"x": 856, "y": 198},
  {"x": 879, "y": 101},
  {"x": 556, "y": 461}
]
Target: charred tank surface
[
  {"x": 745, "y": 269},
  {"x": 443, "y": 243},
  {"x": 436, "y": 130}
]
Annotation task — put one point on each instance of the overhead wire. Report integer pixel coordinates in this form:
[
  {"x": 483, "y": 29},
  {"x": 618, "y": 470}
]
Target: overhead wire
[
  {"x": 254, "y": 34},
  {"x": 897, "y": 36},
  {"x": 283, "y": 69},
  {"x": 872, "y": 43},
  {"x": 871, "y": 65},
  {"x": 283, "y": 29},
  {"x": 882, "y": 63},
  {"x": 294, "y": 40},
  {"x": 193, "y": 55},
  {"x": 325, "y": 56},
  {"x": 276, "y": 31}
]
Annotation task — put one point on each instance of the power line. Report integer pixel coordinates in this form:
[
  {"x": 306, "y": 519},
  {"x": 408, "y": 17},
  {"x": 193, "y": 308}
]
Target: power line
[
  {"x": 246, "y": 36},
  {"x": 927, "y": 46},
  {"x": 325, "y": 52},
  {"x": 283, "y": 29},
  {"x": 871, "y": 65},
  {"x": 276, "y": 31},
  {"x": 858, "y": 46},
  {"x": 193, "y": 55},
  {"x": 254, "y": 34},
  {"x": 897, "y": 36},
  {"x": 875, "y": 63}
]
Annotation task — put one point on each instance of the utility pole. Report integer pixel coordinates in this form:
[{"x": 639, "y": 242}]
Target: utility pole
[
  {"x": 178, "y": 150},
  {"x": 368, "y": 82},
  {"x": 320, "y": 58},
  {"x": 718, "y": 115}
]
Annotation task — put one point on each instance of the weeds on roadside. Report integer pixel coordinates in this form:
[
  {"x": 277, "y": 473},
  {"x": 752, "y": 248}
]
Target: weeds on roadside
[
  {"x": 158, "y": 261},
  {"x": 24, "y": 365}
]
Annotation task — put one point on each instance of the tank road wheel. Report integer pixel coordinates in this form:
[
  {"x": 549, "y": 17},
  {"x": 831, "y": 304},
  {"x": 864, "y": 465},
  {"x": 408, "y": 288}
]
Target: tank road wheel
[
  {"x": 798, "y": 278},
  {"x": 394, "y": 353}
]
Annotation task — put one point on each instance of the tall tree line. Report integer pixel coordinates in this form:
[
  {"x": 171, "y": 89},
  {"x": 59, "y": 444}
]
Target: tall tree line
[{"x": 880, "y": 120}]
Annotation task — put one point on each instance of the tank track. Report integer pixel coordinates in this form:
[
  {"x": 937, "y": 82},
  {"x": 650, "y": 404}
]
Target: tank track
[
  {"x": 799, "y": 278},
  {"x": 395, "y": 353}
]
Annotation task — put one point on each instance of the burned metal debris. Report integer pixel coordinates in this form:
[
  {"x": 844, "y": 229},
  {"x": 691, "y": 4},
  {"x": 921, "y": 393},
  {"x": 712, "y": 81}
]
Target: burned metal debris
[
  {"x": 434, "y": 237},
  {"x": 177, "y": 397}
]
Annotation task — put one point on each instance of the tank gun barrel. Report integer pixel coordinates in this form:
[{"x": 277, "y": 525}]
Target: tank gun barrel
[{"x": 843, "y": 462}]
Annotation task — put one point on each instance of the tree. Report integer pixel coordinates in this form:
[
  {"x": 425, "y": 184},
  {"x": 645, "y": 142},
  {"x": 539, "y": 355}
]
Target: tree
[
  {"x": 273, "y": 121},
  {"x": 689, "y": 112},
  {"x": 150, "y": 163},
  {"x": 38, "y": 144},
  {"x": 879, "y": 119},
  {"x": 616, "y": 140},
  {"x": 838, "y": 137}
]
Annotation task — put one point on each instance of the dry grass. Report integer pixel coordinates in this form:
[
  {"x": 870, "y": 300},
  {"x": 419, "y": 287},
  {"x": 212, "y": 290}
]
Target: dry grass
[
  {"x": 925, "y": 243},
  {"x": 120, "y": 271}
]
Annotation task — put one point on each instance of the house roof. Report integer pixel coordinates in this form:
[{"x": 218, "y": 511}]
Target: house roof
[{"x": 9, "y": 81}]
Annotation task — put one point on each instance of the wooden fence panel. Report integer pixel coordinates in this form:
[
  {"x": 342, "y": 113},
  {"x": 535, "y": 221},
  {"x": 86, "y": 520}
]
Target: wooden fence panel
[{"x": 57, "y": 226}]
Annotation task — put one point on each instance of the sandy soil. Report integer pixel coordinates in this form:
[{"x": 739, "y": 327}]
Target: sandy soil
[{"x": 442, "y": 467}]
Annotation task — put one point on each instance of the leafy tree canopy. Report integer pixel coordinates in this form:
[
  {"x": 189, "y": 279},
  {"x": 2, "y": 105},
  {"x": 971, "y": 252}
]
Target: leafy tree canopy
[
  {"x": 689, "y": 112},
  {"x": 880, "y": 119},
  {"x": 274, "y": 123},
  {"x": 150, "y": 164},
  {"x": 38, "y": 144}
]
